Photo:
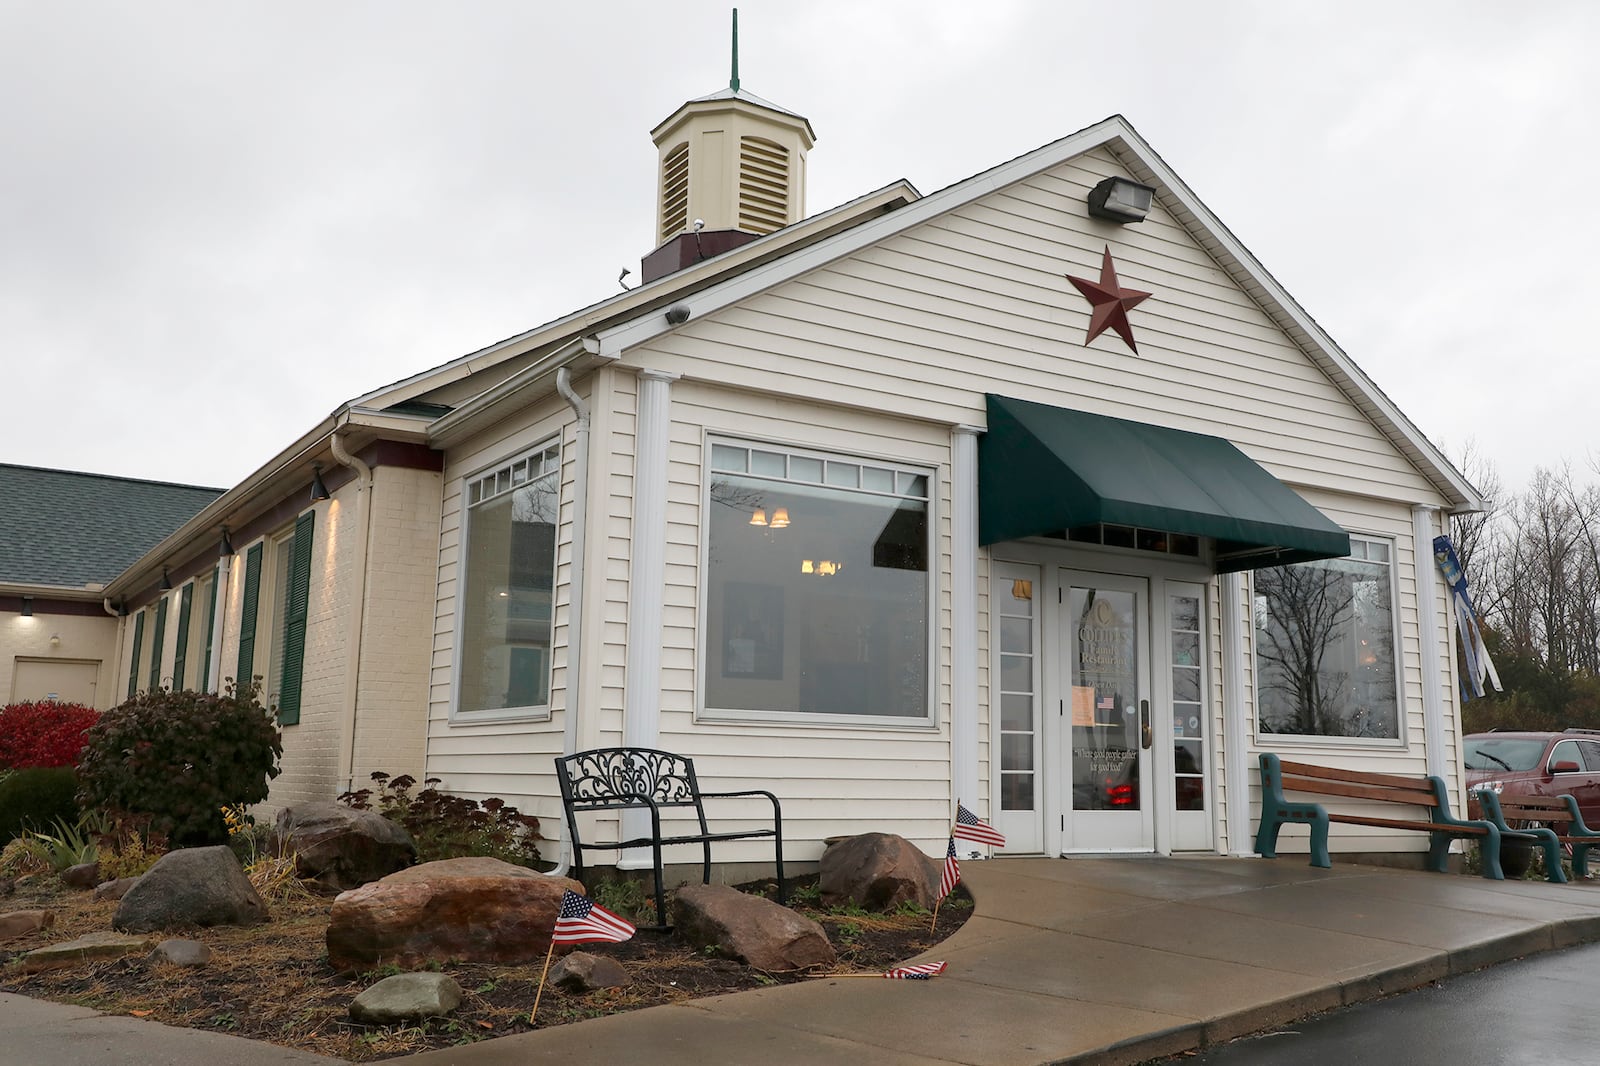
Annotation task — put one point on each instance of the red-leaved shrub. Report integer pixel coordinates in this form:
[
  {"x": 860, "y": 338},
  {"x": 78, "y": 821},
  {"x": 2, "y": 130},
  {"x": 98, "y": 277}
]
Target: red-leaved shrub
[{"x": 44, "y": 733}]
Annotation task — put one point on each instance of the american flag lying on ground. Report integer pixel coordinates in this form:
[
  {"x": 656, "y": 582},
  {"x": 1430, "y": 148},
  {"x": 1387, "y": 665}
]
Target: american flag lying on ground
[
  {"x": 919, "y": 972},
  {"x": 583, "y": 921},
  {"x": 968, "y": 827}
]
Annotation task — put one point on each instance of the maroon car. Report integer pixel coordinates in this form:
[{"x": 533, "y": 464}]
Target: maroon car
[{"x": 1537, "y": 764}]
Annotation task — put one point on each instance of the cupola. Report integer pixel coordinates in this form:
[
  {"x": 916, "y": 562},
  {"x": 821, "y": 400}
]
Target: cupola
[{"x": 734, "y": 163}]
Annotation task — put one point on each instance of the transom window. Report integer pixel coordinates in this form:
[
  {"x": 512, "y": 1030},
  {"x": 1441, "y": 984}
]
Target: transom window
[
  {"x": 507, "y": 592},
  {"x": 817, "y": 585},
  {"x": 1325, "y": 646}
]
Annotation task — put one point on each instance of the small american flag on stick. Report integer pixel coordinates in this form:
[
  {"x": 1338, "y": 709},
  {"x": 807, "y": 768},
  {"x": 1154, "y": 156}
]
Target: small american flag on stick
[
  {"x": 952, "y": 871},
  {"x": 968, "y": 827},
  {"x": 583, "y": 921},
  {"x": 920, "y": 972}
]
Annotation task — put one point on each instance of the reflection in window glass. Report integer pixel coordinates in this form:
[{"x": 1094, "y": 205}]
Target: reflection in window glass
[
  {"x": 1325, "y": 646},
  {"x": 509, "y": 587},
  {"x": 817, "y": 596}
]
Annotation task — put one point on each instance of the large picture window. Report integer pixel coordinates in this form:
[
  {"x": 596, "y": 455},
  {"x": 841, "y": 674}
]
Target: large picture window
[
  {"x": 1325, "y": 646},
  {"x": 509, "y": 554},
  {"x": 817, "y": 586}
]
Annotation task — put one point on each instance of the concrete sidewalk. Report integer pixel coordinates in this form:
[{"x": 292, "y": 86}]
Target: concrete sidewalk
[{"x": 1066, "y": 960}]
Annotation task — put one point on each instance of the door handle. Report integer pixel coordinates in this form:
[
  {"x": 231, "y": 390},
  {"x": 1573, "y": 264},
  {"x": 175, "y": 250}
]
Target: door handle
[{"x": 1145, "y": 737}]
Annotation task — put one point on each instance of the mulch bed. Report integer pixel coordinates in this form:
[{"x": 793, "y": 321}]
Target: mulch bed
[{"x": 273, "y": 982}]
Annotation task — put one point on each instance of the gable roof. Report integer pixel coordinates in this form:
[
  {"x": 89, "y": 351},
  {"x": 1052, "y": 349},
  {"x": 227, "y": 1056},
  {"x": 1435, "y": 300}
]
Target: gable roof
[
  {"x": 74, "y": 530},
  {"x": 1116, "y": 135}
]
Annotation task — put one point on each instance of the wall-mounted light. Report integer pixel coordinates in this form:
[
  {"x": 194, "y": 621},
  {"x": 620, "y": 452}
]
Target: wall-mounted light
[
  {"x": 1121, "y": 200},
  {"x": 166, "y": 582},
  {"x": 225, "y": 549},
  {"x": 760, "y": 517},
  {"x": 55, "y": 640},
  {"x": 780, "y": 518},
  {"x": 821, "y": 567},
  {"x": 319, "y": 491},
  {"x": 27, "y": 606}
]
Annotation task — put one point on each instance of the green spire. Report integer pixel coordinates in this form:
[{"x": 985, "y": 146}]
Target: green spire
[{"x": 733, "y": 82}]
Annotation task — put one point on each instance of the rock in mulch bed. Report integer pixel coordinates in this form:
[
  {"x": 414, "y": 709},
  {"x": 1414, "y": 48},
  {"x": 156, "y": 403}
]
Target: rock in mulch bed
[
  {"x": 91, "y": 947},
  {"x": 407, "y": 997},
  {"x": 193, "y": 886}
]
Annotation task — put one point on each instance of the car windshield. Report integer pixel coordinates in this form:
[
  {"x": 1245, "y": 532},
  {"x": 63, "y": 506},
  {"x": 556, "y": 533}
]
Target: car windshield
[{"x": 1502, "y": 753}]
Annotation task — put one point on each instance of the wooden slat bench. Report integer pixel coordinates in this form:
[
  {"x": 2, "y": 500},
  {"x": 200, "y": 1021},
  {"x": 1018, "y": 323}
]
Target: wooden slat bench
[
  {"x": 1427, "y": 793},
  {"x": 618, "y": 779},
  {"x": 1561, "y": 822}
]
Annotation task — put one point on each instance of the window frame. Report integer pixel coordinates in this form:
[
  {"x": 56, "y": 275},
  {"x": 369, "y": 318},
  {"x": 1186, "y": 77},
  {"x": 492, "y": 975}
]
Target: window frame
[
  {"x": 1401, "y": 741},
  {"x": 926, "y": 722},
  {"x": 534, "y": 452}
]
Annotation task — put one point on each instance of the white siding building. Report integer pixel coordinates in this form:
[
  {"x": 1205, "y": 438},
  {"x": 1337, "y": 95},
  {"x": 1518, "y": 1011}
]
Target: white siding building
[{"x": 867, "y": 509}]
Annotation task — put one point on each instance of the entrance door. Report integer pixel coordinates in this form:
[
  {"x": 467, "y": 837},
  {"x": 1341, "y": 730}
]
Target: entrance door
[{"x": 1105, "y": 650}]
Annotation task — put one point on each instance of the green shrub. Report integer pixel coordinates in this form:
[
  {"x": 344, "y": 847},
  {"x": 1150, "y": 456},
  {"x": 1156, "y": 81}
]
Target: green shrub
[
  {"x": 180, "y": 758},
  {"x": 36, "y": 797},
  {"x": 65, "y": 844},
  {"x": 444, "y": 826}
]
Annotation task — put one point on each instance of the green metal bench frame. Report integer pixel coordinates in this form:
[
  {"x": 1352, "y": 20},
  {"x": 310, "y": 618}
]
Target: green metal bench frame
[
  {"x": 1278, "y": 777},
  {"x": 1556, "y": 809}
]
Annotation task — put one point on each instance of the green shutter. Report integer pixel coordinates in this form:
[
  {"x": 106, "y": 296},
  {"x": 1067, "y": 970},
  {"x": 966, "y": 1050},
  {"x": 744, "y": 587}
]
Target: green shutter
[
  {"x": 211, "y": 629},
  {"x": 158, "y": 642},
  {"x": 138, "y": 639},
  {"x": 294, "y": 621},
  {"x": 180, "y": 654},
  {"x": 247, "y": 616}
]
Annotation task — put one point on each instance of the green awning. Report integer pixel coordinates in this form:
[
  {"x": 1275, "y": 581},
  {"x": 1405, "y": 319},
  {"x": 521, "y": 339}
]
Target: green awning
[{"x": 1043, "y": 470}]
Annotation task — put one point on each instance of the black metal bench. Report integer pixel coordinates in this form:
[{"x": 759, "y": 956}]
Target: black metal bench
[{"x": 619, "y": 779}]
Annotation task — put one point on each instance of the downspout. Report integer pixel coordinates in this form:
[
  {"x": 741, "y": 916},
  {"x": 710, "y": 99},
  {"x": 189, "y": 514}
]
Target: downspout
[
  {"x": 114, "y": 612},
  {"x": 358, "y": 616},
  {"x": 580, "y": 510}
]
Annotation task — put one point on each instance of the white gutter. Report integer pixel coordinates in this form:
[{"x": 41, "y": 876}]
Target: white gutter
[
  {"x": 580, "y": 510},
  {"x": 358, "y": 615},
  {"x": 116, "y": 667}
]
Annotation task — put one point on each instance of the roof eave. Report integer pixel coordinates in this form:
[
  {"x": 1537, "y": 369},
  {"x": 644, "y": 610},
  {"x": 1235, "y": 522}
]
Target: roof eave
[
  {"x": 268, "y": 482},
  {"x": 644, "y": 297}
]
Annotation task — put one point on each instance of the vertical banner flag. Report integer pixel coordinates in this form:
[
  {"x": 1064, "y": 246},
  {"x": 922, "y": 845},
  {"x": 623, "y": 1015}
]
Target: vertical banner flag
[
  {"x": 952, "y": 871},
  {"x": 1478, "y": 665},
  {"x": 968, "y": 827}
]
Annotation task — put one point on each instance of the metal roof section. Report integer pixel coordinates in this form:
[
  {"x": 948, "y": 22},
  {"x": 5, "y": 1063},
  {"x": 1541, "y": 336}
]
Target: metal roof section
[{"x": 78, "y": 531}]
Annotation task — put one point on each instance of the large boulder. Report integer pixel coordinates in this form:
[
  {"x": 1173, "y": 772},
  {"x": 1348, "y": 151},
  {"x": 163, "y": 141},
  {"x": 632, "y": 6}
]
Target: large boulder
[
  {"x": 752, "y": 929},
  {"x": 189, "y": 887},
  {"x": 341, "y": 847},
  {"x": 475, "y": 910},
  {"x": 878, "y": 871}
]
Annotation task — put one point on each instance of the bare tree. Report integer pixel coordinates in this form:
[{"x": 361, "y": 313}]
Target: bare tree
[{"x": 1306, "y": 609}]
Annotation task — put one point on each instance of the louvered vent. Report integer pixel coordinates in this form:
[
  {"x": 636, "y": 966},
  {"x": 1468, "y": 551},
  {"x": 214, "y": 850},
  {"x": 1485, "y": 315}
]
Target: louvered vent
[
  {"x": 763, "y": 185},
  {"x": 675, "y": 192}
]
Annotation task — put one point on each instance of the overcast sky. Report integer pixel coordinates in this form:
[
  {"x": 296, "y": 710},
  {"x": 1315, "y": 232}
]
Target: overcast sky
[{"x": 219, "y": 221}]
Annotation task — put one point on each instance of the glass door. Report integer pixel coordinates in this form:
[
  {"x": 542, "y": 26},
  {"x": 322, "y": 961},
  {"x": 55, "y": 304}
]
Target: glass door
[
  {"x": 1016, "y": 686},
  {"x": 1105, "y": 645}
]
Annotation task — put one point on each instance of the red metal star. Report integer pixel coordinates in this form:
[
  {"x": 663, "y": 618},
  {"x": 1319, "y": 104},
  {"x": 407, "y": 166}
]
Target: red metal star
[{"x": 1111, "y": 303}]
